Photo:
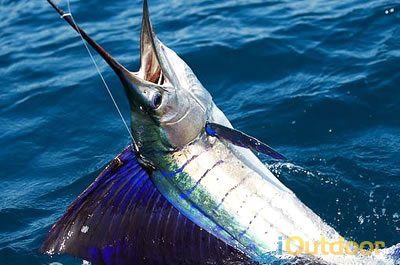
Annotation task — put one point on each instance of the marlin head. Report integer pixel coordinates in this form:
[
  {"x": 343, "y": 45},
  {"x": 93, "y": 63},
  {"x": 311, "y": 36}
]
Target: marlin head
[
  {"x": 168, "y": 104},
  {"x": 175, "y": 106}
]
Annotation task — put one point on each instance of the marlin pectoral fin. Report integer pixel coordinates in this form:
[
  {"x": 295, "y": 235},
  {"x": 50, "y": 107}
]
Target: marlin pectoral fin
[
  {"x": 241, "y": 139},
  {"x": 123, "y": 219}
]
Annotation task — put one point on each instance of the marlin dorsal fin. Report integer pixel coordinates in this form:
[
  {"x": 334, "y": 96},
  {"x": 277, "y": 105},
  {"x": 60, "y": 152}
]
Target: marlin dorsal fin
[{"x": 123, "y": 219}]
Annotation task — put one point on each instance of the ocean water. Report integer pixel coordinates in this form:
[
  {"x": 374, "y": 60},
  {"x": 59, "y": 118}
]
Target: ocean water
[{"x": 317, "y": 80}]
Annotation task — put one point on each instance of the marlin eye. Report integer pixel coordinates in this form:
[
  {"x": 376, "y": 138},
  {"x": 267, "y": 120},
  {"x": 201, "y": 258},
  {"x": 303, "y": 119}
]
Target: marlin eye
[{"x": 156, "y": 101}]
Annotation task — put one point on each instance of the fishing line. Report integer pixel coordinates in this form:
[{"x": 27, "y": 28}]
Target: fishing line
[{"x": 100, "y": 74}]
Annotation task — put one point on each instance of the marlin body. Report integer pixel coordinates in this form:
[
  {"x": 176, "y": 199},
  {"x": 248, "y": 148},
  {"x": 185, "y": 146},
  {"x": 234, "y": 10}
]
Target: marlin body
[
  {"x": 230, "y": 192},
  {"x": 198, "y": 166}
]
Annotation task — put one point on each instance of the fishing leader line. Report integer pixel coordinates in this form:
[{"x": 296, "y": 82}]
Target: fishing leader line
[{"x": 100, "y": 74}]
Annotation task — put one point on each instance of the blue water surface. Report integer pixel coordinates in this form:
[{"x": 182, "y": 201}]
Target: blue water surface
[{"x": 318, "y": 80}]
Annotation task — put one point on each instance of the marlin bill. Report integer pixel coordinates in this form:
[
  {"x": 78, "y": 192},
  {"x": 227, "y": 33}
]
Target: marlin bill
[{"x": 189, "y": 189}]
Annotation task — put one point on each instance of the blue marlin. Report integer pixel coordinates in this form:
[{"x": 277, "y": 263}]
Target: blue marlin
[{"x": 189, "y": 190}]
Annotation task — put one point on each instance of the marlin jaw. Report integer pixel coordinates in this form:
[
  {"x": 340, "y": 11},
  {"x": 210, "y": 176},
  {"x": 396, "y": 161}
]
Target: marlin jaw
[
  {"x": 148, "y": 80},
  {"x": 151, "y": 79}
]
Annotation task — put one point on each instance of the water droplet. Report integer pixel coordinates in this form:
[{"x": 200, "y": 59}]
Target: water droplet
[
  {"x": 293, "y": 122},
  {"x": 84, "y": 229},
  {"x": 360, "y": 219},
  {"x": 391, "y": 10},
  {"x": 330, "y": 130}
]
